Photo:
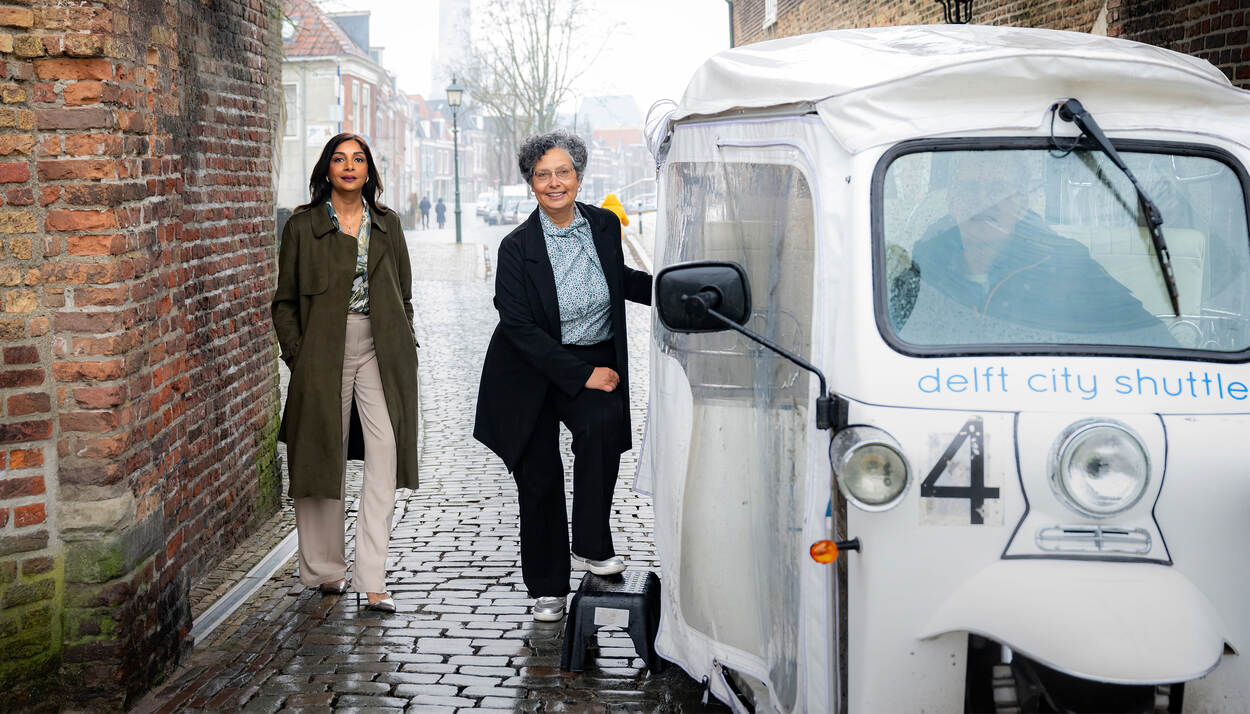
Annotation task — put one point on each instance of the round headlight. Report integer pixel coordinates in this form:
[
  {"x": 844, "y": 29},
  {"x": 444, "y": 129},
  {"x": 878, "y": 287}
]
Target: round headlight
[
  {"x": 1102, "y": 469},
  {"x": 870, "y": 467}
]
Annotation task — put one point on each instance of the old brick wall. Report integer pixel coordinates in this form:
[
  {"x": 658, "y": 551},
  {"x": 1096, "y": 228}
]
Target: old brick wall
[
  {"x": 1215, "y": 30},
  {"x": 138, "y": 384}
]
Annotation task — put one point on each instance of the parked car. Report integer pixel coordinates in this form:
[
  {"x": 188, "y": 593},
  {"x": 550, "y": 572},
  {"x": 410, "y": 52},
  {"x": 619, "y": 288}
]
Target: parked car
[
  {"x": 522, "y": 209},
  {"x": 485, "y": 201},
  {"x": 499, "y": 215}
]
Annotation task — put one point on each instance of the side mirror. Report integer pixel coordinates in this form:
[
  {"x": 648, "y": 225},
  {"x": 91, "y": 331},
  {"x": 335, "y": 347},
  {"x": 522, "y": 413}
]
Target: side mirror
[{"x": 685, "y": 292}]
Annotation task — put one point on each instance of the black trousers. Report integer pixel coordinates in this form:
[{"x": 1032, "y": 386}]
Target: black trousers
[{"x": 595, "y": 419}]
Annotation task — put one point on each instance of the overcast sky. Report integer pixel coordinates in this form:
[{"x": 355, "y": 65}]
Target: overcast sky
[{"x": 650, "y": 49}]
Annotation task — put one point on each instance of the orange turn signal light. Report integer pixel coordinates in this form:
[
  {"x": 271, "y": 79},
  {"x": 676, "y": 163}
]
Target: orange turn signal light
[{"x": 824, "y": 551}]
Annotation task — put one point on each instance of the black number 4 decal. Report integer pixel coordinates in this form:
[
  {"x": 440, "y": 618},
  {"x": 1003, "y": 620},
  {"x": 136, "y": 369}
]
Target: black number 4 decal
[{"x": 976, "y": 492}]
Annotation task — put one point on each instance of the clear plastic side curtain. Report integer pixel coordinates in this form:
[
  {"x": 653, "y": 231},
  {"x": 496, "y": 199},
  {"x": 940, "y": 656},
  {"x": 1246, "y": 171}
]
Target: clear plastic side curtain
[{"x": 743, "y": 496}]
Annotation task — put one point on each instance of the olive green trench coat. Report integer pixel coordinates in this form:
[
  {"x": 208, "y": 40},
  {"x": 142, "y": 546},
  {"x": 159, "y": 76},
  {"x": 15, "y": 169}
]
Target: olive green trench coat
[{"x": 316, "y": 263}]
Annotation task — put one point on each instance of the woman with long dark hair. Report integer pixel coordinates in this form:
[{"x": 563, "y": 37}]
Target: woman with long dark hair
[{"x": 343, "y": 315}]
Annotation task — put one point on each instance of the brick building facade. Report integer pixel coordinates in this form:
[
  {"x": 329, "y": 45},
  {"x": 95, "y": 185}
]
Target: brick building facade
[
  {"x": 1215, "y": 30},
  {"x": 138, "y": 381}
]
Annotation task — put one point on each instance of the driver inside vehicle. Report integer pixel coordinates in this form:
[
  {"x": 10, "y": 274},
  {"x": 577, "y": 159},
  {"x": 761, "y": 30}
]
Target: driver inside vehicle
[{"x": 1008, "y": 274}]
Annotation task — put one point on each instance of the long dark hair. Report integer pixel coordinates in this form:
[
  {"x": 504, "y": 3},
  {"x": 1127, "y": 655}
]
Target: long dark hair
[{"x": 319, "y": 183}]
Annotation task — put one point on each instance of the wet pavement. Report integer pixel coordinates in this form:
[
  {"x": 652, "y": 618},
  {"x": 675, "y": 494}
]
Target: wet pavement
[{"x": 463, "y": 637}]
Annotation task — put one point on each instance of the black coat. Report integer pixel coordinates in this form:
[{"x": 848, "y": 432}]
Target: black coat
[{"x": 525, "y": 357}]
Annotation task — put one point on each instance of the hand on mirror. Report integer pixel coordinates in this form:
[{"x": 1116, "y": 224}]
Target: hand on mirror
[{"x": 603, "y": 378}]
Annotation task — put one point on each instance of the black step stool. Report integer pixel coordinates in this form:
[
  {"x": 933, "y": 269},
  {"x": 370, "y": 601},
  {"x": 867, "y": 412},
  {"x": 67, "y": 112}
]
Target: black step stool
[{"x": 630, "y": 600}]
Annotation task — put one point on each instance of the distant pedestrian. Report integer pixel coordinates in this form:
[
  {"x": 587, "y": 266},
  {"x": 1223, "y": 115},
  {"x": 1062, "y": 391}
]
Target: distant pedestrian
[
  {"x": 559, "y": 355},
  {"x": 440, "y": 211},
  {"x": 343, "y": 314},
  {"x": 425, "y": 211}
]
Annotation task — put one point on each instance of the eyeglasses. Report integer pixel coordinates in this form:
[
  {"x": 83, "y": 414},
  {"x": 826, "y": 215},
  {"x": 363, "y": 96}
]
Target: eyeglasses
[{"x": 564, "y": 174}]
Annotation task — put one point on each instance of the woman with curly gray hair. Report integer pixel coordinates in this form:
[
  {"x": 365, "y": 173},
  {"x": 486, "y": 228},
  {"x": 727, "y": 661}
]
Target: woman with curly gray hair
[{"x": 559, "y": 355}]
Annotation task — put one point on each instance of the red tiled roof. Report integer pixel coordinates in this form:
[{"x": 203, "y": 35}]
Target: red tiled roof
[{"x": 316, "y": 35}]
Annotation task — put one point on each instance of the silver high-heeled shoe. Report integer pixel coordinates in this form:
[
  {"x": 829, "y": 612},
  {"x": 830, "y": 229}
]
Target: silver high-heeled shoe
[
  {"x": 334, "y": 587},
  {"x": 386, "y": 604}
]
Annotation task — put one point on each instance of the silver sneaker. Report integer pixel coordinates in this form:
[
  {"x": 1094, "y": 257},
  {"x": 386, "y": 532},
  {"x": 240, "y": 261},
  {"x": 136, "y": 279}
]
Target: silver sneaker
[
  {"x": 549, "y": 609},
  {"x": 609, "y": 566}
]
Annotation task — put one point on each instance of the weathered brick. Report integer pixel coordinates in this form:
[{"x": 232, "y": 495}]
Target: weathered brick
[
  {"x": 29, "y": 403},
  {"x": 19, "y": 196},
  {"x": 96, "y": 244},
  {"x": 101, "y": 297},
  {"x": 84, "y": 321},
  {"x": 25, "y": 543},
  {"x": 49, "y": 145},
  {"x": 54, "y": 170},
  {"x": 18, "y": 222},
  {"x": 21, "y": 354},
  {"x": 14, "y": 378},
  {"x": 65, "y": 220},
  {"x": 31, "y": 515},
  {"x": 103, "y": 475},
  {"x": 28, "y": 46},
  {"x": 84, "y": 45},
  {"x": 12, "y": 328},
  {"x": 100, "y": 397},
  {"x": 16, "y": 144},
  {"x": 25, "y": 458},
  {"x": 74, "y": 118},
  {"x": 83, "y": 92},
  {"x": 21, "y": 487},
  {"x": 20, "y": 301},
  {"x": 25, "y": 431},
  {"x": 24, "y": 593},
  {"x": 20, "y": 248},
  {"x": 82, "y": 273},
  {"x": 94, "y": 371},
  {"x": 64, "y": 68},
  {"x": 14, "y": 172},
  {"x": 108, "y": 194},
  {"x": 93, "y": 145},
  {"x": 104, "y": 447},
  {"x": 37, "y": 566},
  {"x": 16, "y": 17}
]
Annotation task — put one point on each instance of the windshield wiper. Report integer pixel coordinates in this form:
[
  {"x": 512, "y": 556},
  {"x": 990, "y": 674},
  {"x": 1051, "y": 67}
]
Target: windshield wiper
[{"x": 1071, "y": 110}]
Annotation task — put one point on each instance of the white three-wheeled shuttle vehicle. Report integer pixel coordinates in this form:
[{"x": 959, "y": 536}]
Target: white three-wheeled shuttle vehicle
[{"x": 971, "y": 306}]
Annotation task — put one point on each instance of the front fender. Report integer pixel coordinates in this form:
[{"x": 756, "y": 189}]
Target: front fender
[{"x": 1123, "y": 623}]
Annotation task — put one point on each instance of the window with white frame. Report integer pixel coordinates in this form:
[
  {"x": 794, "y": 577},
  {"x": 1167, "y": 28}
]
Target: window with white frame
[
  {"x": 367, "y": 113},
  {"x": 290, "y": 93},
  {"x": 356, "y": 107},
  {"x": 770, "y": 13}
]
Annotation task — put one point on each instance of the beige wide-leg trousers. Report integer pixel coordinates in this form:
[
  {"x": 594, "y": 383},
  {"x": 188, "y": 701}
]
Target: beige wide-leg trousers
[{"x": 320, "y": 521}]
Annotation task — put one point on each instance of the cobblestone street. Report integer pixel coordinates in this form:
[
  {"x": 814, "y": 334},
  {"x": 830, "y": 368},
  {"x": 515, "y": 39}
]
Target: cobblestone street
[{"x": 463, "y": 637}]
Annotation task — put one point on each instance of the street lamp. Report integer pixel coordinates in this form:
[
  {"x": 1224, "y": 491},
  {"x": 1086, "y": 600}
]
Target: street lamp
[{"x": 455, "y": 94}]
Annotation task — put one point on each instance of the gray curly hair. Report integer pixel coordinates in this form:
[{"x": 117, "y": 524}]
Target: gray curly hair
[{"x": 533, "y": 148}]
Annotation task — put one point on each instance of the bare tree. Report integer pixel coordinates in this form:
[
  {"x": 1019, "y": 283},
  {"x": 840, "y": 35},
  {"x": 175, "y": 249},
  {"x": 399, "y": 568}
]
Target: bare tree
[{"x": 525, "y": 63}]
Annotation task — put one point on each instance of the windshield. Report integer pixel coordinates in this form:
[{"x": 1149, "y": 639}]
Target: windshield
[{"x": 1000, "y": 248}]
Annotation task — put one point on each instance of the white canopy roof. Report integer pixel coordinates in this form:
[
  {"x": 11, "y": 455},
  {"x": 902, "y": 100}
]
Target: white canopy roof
[{"x": 884, "y": 84}]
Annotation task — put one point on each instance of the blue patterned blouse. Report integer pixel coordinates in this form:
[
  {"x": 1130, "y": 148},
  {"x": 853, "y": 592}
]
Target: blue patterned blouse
[{"x": 581, "y": 289}]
